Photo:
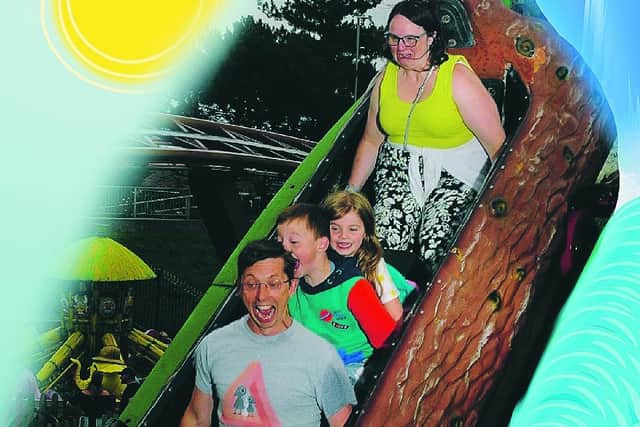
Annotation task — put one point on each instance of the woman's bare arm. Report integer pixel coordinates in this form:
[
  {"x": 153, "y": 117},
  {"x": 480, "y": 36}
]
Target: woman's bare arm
[
  {"x": 367, "y": 152},
  {"x": 478, "y": 109}
]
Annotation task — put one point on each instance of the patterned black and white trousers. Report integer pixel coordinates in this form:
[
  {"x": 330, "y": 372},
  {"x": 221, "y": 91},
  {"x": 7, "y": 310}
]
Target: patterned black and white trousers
[{"x": 403, "y": 225}]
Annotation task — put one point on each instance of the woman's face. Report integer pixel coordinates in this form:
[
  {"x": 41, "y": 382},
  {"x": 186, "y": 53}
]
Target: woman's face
[{"x": 402, "y": 32}]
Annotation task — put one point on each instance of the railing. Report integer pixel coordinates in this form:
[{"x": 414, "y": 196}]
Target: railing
[
  {"x": 164, "y": 303},
  {"x": 144, "y": 202}
]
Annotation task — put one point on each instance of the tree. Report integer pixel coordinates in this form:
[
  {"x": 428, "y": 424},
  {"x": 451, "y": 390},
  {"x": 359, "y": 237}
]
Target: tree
[
  {"x": 295, "y": 77},
  {"x": 327, "y": 28}
]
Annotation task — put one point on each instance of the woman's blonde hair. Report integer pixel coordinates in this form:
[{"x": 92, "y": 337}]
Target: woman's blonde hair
[{"x": 368, "y": 256}]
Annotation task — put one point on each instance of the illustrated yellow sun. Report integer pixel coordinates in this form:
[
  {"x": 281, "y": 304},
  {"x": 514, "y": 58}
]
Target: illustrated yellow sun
[{"x": 125, "y": 41}]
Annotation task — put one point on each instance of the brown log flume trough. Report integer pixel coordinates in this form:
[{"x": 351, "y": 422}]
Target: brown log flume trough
[{"x": 462, "y": 331}]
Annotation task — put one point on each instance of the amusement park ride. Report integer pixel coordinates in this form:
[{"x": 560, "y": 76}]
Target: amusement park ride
[
  {"x": 96, "y": 333},
  {"x": 469, "y": 345}
]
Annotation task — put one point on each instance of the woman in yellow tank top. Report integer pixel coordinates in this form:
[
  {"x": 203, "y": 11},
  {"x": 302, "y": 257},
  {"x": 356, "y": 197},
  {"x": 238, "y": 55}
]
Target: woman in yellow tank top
[{"x": 431, "y": 129}]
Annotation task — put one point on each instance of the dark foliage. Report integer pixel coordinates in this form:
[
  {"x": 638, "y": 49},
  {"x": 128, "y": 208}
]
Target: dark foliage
[{"x": 294, "y": 77}]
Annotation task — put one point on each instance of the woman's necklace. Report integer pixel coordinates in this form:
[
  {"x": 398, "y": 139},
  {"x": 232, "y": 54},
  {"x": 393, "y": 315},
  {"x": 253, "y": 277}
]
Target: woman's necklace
[{"x": 413, "y": 106}]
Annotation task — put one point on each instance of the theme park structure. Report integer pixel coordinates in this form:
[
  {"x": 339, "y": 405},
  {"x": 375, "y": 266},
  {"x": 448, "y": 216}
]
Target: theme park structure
[
  {"x": 89, "y": 364},
  {"x": 469, "y": 344}
]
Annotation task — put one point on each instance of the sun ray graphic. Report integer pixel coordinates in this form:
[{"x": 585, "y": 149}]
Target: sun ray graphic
[{"x": 121, "y": 45}]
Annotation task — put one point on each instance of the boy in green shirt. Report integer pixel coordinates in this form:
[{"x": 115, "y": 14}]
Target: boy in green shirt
[{"x": 333, "y": 299}]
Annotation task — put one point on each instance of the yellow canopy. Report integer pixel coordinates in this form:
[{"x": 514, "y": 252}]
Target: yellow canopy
[{"x": 101, "y": 259}]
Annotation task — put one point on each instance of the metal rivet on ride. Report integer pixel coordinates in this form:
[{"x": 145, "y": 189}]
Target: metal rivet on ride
[
  {"x": 491, "y": 187},
  {"x": 520, "y": 273},
  {"x": 495, "y": 298},
  {"x": 562, "y": 72},
  {"x": 525, "y": 46},
  {"x": 445, "y": 19},
  {"x": 421, "y": 311},
  {"x": 439, "y": 280},
  {"x": 452, "y": 43},
  {"x": 568, "y": 155},
  {"x": 499, "y": 207},
  {"x": 502, "y": 167}
]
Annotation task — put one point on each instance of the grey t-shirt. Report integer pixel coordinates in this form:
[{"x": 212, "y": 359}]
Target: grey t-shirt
[{"x": 282, "y": 380}]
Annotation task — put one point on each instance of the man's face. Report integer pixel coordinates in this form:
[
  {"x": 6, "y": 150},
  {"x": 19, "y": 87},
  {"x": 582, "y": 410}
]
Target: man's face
[
  {"x": 265, "y": 291},
  {"x": 298, "y": 239}
]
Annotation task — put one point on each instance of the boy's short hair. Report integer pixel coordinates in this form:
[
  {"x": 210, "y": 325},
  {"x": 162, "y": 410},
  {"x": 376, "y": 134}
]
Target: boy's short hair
[
  {"x": 316, "y": 218},
  {"x": 259, "y": 250}
]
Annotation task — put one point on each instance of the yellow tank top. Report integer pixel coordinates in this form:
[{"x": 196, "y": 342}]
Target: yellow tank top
[{"x": 435, "y": 122}]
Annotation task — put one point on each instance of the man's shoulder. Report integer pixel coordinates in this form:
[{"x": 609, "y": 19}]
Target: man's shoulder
[
  {"x": 230, "y": 330},
  {"x": 311, "y": 342}
]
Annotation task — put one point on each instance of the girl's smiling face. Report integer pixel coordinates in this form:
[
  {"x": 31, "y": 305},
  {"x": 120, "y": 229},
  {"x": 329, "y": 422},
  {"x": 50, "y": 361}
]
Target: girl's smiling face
[{"x": 347, "y": 233}]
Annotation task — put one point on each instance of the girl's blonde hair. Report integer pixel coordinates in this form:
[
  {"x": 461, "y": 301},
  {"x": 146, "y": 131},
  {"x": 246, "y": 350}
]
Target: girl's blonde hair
[{"x": 368, "y": 256}]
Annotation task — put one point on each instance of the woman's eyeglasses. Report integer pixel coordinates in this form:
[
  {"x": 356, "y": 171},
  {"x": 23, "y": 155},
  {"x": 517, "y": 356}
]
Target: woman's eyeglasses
[
  {"x": 408, "y": 40},
  {"x": 272, "y": 285}
]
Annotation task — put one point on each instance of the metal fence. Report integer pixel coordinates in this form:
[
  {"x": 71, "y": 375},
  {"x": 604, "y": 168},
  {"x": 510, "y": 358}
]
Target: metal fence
[
  {"x": 144, "y": 202},
  {"x": 164, "y": 303}
]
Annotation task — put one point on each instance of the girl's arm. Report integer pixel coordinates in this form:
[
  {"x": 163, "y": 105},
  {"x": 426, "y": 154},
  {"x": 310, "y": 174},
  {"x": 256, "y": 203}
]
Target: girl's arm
[
  {"x": 389, "y": 295},
  {"x": 394, "y": 308},
  {"x": 374, "y": 320}
]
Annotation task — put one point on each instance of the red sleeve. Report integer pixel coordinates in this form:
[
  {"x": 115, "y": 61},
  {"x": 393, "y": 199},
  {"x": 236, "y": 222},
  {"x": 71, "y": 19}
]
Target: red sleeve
[{"x": 375, "y": 321}]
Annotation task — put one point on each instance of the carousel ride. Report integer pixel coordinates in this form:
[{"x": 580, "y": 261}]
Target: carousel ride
[{"x": 91, "y": 363}]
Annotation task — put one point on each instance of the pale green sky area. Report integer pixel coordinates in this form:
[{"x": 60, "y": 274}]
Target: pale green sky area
[{"x": 57, "y": 132}]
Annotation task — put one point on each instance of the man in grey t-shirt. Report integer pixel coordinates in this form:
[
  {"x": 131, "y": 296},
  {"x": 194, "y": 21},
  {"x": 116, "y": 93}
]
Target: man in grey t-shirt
[{"x": 266, "y": 369}]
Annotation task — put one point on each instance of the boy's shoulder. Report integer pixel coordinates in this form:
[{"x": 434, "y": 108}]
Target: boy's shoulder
[{"x": 345, "y": 269}]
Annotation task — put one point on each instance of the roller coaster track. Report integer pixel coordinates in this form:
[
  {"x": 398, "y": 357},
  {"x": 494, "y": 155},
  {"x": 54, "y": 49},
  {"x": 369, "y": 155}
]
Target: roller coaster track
[{"x": 171, "y": 139}]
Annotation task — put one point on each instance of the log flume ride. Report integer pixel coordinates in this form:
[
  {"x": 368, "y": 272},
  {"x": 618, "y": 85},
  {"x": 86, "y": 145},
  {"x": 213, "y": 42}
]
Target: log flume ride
[{"x": 470, "y": 344}]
